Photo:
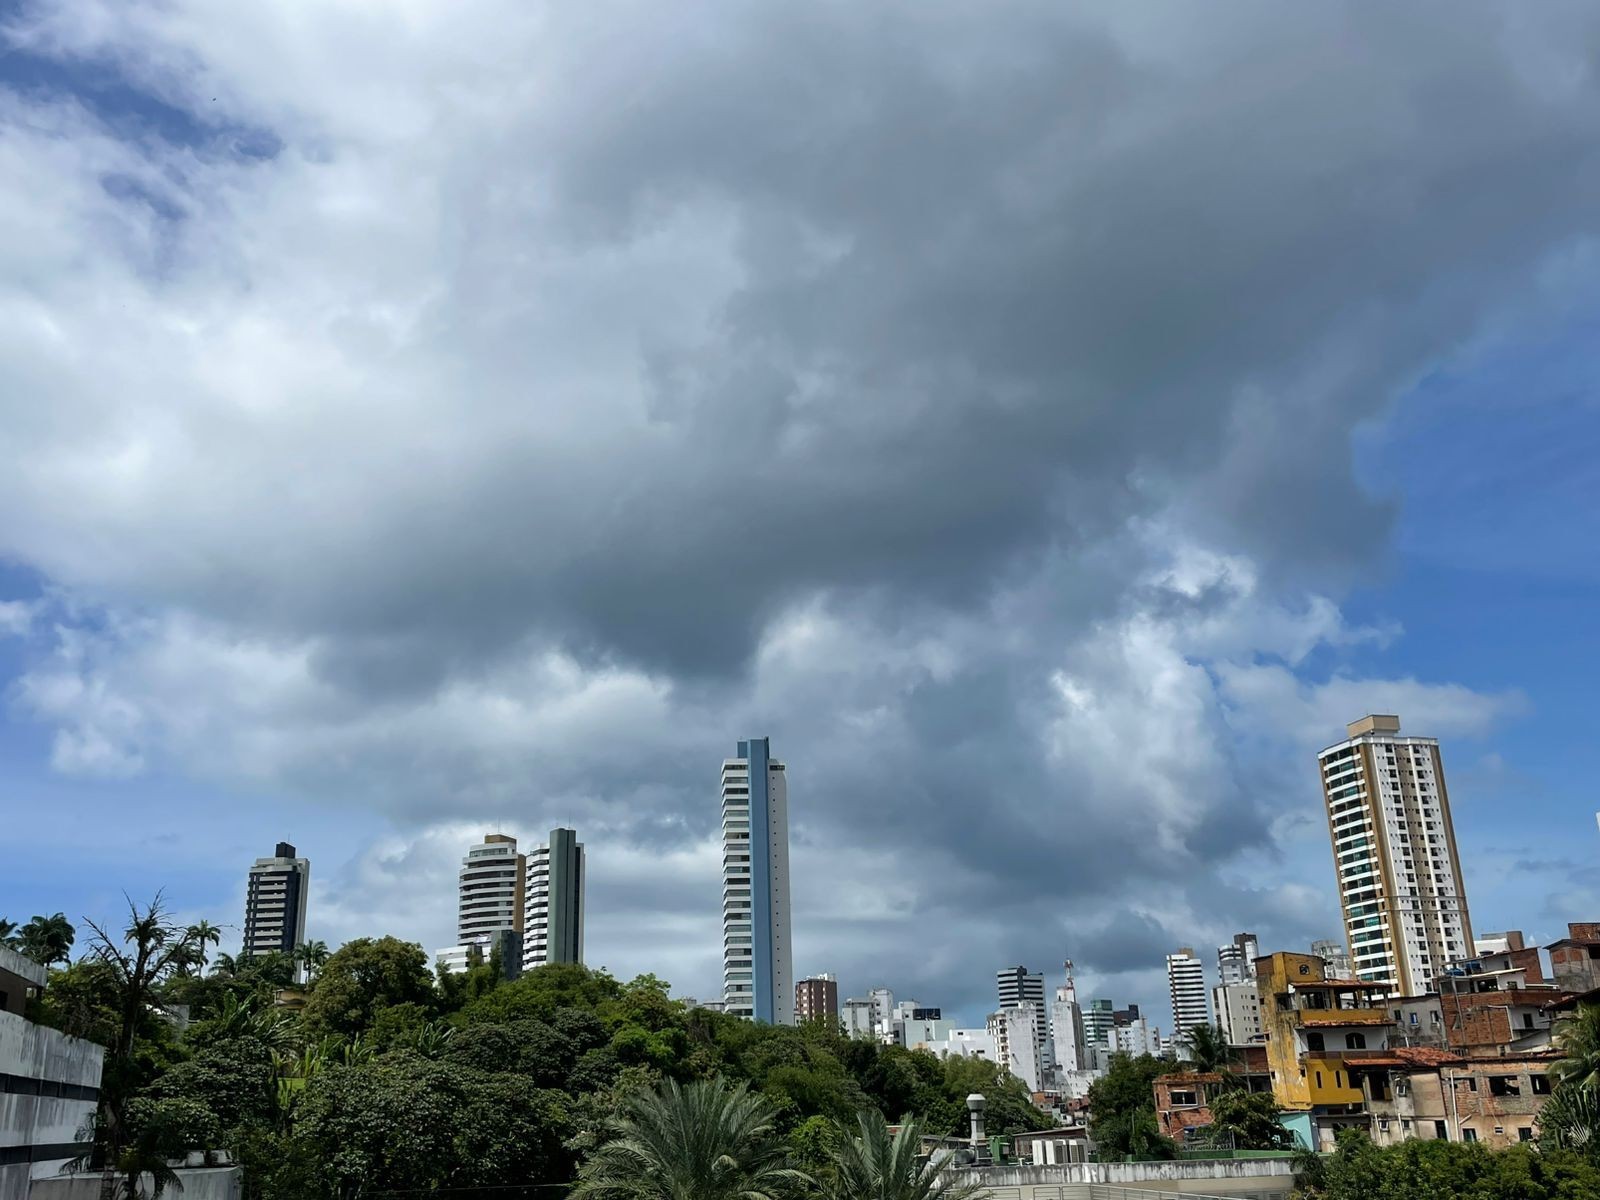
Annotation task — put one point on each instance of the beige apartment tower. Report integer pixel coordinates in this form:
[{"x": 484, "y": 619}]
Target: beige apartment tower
[{"x": 1394, "y": 853}]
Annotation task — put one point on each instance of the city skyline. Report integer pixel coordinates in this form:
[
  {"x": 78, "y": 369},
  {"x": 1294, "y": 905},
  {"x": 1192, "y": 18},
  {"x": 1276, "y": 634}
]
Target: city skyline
[{"x": 478, "y": 447}]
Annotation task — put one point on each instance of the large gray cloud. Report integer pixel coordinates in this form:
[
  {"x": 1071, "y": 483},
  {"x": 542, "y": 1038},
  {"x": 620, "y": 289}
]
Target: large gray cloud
[{"x": 579, "y": 389}]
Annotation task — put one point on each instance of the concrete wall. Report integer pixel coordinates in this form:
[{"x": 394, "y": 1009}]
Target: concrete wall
[
  {"x": 1247, "y": 1180},
  {"x": 200, "y": 1183},
  {"x": 37, "y": 1128}
]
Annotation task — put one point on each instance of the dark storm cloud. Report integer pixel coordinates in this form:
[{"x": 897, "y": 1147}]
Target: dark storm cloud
[{"x": 913, "y": 320}]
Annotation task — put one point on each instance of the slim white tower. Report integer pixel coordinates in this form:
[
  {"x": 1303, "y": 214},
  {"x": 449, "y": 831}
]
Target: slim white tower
[
  {"x": 1066, "y": 1026},
  {"x": 1394, "y": 851},
  {"x": 757, "y": 956},
  {"x": 1186, "y": 985}
]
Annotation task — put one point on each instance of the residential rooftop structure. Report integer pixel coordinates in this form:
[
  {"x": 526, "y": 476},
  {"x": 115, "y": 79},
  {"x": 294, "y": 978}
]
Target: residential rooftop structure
[{"x": 1395, "y": 859}]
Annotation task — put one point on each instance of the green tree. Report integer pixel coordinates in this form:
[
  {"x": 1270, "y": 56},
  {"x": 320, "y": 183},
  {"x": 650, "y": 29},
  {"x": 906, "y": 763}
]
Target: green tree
[
  {"x": 1577, "y": 1037},
  {"x": 1206, "y": 1047},
  {"x": 701, "y": 1141},
  {"x": 8, "y": 932},
  {"x": 403, "y": 1123},
  {"x": 1570, "y": 1119},
  {"x": 47, "y": 940},
  {"x": 311, "y": 957},
  {"x": 135, "y": 966},
  {"x": 362, "y": 978},
  {"x": 202, "y": 934},
  {"x": 1250, "y": 1119},
  {"x": 1123, "y": 1110},
  {"x": 879, "y": 1165}
]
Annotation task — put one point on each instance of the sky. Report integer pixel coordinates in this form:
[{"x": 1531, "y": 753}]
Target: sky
[{"x": 1048, "y": 423}]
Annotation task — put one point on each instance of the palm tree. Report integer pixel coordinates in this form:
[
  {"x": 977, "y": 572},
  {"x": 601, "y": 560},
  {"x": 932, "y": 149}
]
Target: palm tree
[
  {"x": 8, "y": 930},
  {"x": 1570, "y": 1118},
  {"x": 880, "y": 1165},
  {"x": 150, "y": 949},
  {"x": 47, "y": 940},
  {"x": 312, "y": 956},
  {"x": 1207, "y": 1048},
  {"x": 703, "y": 1141},
  {"x": 225, "y": 965},
  {"x": 1578, "y": 1039},
  {"x": 203, "y": 933}
]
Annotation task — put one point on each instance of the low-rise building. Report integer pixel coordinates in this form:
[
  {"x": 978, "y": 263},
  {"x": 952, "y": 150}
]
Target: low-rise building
[
  {"x": 859, "y": 1017},
  {"x": 1575, "y": 959},
  {"x": 968, "y": 1043},
  {"x": 1419, "y": 1092},
  {"x": 1183, "y": 1098},
  {"x": 1311, "y": 1024},
  {"x": 49, "y": 1088}
]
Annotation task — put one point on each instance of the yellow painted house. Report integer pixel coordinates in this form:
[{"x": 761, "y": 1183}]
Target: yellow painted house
[{"x": 1311, "y": 1022}]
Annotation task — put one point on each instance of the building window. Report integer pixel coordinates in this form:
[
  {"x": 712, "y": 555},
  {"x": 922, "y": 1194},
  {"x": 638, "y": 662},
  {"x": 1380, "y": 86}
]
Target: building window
[
  {"x": 1469, "y": 1135},
  {"x": 1319, "y": 1079},
  {"x": 1541, "y": 1084},
  {"x": 1505, "y": 1085},
  {"x": 1525, "y": 1133},
  {"x": 1440, "y": 1132},
  {"x": 1355, "y": 1041},
  {"x": 1314, "y": 1042}
]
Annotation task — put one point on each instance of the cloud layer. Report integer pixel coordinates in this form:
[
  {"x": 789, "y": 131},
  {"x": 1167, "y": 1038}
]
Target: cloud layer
[{"x": 491, "y": 412}]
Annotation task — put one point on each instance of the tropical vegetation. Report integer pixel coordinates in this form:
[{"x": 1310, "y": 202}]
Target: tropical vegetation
[{"x": 374, "y": 1076}]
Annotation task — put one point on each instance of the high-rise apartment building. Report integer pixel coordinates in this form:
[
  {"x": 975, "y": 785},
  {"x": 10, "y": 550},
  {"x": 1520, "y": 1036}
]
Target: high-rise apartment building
[
  {"x": 1015, "y": 1030},
  {"x": 757, "y": 976},
  {"x": 817, "y": 999},
  {"x": 1335, "y": 957},
  {"x": 1016, "y": 986},
  {"x": 1236, "y": 962},
  {"x": 553, "y": 902},
  {"x": 1238, "y": 1007},
  {"x": 1098, "y": 1020},
  {"x": 275, "y": 903},
  {"x": 1394, "y": 852},
  {"x": 1186, "y": 986},
  {"x": 490, "y": 900}
]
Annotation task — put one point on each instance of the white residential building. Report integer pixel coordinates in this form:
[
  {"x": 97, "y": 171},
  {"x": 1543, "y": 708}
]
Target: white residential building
[
  {"x": 1135, "y": 1035},
  {"x": 968, "y": 1043},
  {"x": 1335, "y": 956},
  {"x": 1236, "y": 962},
  {"x": 1066, "y": 1026},
  {"x": 757, "y": 954},
  {"x": 859, "y": 1017},
  {"x": 1016, "y": 1038},
  {"x": 1186, "y": 986},
  {"x": 1394, "y": 849},
  {"x": 1238, "y": 1008},
  {"x": 489, "y": 906}
]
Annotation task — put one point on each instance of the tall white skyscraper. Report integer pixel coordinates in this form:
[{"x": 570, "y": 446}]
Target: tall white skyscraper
[
  {"x": 757, "y": 956},
  {"x": 275, "y": 903},
  {"x": 1015, "y": 1030},
  {"x": 489, "y": 906},
  {"x": 1236, "y": 962},
  {"x": 1394, "y": 851},
  {"x": 553, "y": 904},
  {"x": 1186, "y": 985}
]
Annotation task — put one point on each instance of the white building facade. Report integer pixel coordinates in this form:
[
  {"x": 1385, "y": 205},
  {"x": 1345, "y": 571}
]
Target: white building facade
[
  {"x": 1400, "y": 887},
  {"x": 1016, "y": 1039},
  {"x": 490, "y": 899},
  {"x": 1238, "y": 1008},
  {"x": 1018, "y": 987},
  {"x": 1186, "y": 987},
  {"x": 1236, "y": 962},
  {"x": 757, "y": 955}
]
